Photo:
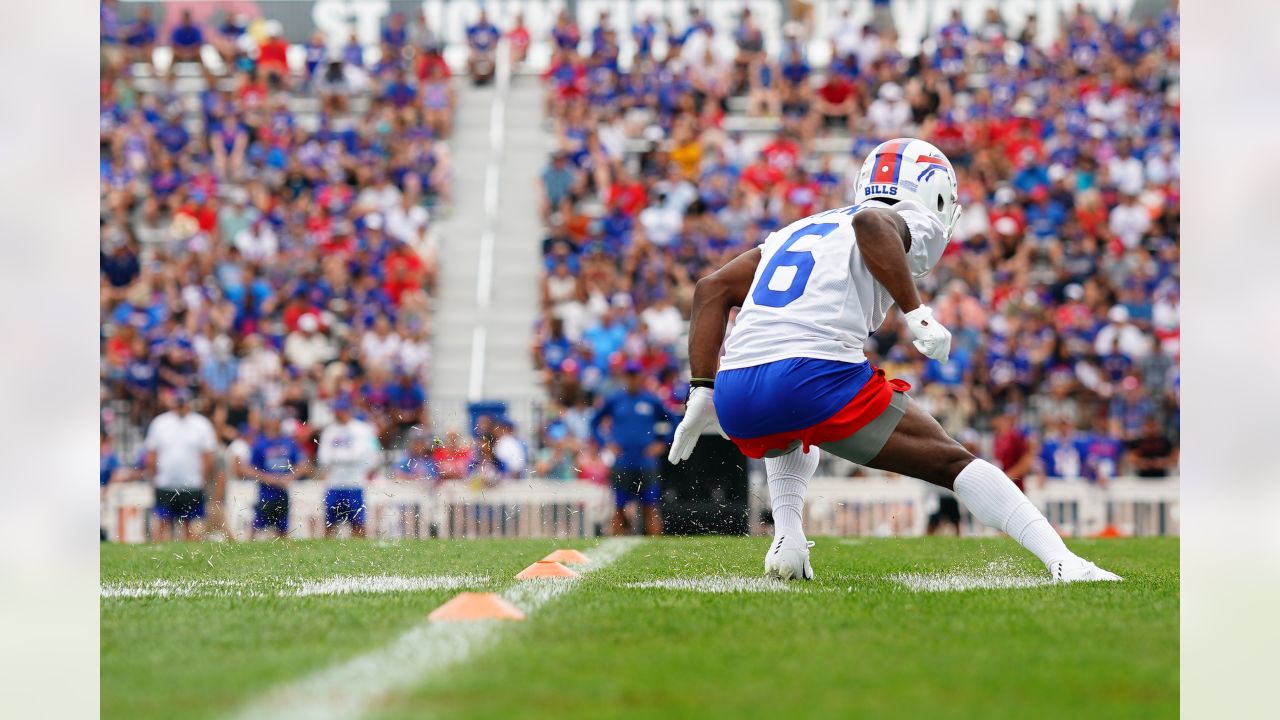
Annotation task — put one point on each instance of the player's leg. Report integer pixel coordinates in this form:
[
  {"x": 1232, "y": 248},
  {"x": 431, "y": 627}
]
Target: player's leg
[
  {"x": 162, "y": 528},
  {"x": 355, "y": 513},
  {"x": 788, "y": 476},
  {"x": 623, "y": 496},
  {"x": 331, "y": 499},
  {"x": 649, "y": 498},
  {"x": 193, "y": 514},
  {"x": 920, "y": 448}
]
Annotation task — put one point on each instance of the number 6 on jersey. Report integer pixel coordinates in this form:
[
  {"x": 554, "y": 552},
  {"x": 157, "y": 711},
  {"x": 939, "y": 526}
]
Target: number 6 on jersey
[{"x": 788, "y": 271}]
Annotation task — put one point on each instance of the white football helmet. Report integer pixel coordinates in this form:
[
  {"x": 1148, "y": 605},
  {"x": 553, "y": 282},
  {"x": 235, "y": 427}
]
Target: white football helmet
[{"x": 908, "y": 168}]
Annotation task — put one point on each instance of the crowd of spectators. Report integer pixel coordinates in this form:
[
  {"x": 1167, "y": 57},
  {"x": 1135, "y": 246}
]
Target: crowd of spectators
[
  {"x": 1061, "y": 283},
  {"x": 266, "y": 227}
]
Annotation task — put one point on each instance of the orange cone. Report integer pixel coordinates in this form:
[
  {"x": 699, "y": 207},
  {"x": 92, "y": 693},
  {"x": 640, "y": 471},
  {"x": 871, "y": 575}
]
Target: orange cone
[
  {"x": 469, "y": 606},
  {"x": 546, "y": 569},
  {"x": 568, "y": 557}
]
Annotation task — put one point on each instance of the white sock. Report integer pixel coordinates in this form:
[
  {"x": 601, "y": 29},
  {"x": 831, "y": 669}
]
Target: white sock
[
  {"x": 993, "y": 498},
  {"x": 788, "y": 480}
]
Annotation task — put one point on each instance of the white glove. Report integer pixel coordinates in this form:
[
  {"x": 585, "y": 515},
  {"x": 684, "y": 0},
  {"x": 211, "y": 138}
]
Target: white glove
[
  {"x": 699, "y": 416},
  {"x": 928, "y": 335}
]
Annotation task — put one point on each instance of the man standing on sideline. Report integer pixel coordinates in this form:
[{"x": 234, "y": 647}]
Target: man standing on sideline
[
  {"x": 348, "y": 453},
  {"x": 179, "y": 459},
  {"x": 275, "y": 462},
  {"x": 634, "y": 414}
]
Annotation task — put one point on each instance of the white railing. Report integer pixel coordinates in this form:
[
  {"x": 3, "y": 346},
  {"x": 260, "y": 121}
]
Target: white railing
[
  {"x": 526, "y": 508},
  {"x": 548, "y": 508},
  {"x": 395, "y": 509},
  {"x": 901, "y": 506}
]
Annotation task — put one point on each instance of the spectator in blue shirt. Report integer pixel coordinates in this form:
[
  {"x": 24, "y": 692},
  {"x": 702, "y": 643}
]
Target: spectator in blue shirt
[
  {"x": 482, "y": 40},
  {"x": 1063, "y": 451},
  {"x": 220, "y": 368},
  {"x": 638, "y": 424},
  {"x": 275, "y": 462},
  {"x": 1102, "y": 453},
  {"x": 406, "y": 401},
  {"x": 186, "y": 39},
  {"x": 140, "y": 36}
]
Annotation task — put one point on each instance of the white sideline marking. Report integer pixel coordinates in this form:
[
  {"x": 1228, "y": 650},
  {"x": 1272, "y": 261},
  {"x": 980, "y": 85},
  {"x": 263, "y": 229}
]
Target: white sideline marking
[
  {"x": 351, "y": 688},
  {"x": 999, "y": 575},
  {"x": 170, "y": 588},
  {"x": 713, "y": 584},
  {"x": 346, "y": 585},
  {"x": 294, "y": 587}
]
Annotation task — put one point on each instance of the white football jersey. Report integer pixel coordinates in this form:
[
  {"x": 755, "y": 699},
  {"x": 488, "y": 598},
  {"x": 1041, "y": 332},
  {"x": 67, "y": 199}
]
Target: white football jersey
[
  {"x": 349, "y": 451},
  {"x": 813, "y": 295}
]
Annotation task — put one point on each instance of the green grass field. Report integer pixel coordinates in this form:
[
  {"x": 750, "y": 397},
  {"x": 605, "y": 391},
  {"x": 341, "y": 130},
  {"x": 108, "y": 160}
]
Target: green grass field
[{"x": 203, "y": 630}]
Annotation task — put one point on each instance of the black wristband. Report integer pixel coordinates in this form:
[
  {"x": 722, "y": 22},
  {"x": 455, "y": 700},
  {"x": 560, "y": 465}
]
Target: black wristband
[{"x": 702, "y": 382}]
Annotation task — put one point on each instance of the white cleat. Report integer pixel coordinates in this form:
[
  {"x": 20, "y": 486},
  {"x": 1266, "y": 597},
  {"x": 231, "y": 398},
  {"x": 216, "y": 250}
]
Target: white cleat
[
  {"x": 788, "y": 559},
  {"x": 1080, "y": 570}
]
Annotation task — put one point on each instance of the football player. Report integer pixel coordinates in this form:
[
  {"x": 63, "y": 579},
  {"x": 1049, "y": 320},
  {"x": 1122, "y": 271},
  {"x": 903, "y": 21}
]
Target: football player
[{"x": 794, "y": 377}]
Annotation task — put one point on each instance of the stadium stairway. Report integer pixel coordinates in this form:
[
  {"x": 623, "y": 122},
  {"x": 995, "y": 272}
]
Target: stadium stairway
[{"x": 481, "y": 349}]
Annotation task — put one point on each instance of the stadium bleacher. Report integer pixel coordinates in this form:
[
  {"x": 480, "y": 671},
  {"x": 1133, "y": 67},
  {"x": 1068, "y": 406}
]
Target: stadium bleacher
[{"x": 239, "y": 200}]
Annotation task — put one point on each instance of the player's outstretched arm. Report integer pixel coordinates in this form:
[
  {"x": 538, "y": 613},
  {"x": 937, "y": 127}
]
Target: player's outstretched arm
[
  {"x": 713, "y": 298},
  {"x": 883, "y": 240}
]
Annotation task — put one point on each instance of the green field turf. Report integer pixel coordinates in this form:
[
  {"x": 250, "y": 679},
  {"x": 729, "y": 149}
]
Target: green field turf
[{"x": 854, "y": 643}]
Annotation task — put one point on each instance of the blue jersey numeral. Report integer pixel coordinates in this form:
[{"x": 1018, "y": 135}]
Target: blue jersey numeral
[{"x": 801, "y": 260}]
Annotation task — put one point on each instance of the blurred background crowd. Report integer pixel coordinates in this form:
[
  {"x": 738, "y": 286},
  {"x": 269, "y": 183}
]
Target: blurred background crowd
[
  {"x": 266, "y": 239},
  {"x": 267, "y": 243},
  {"x": 1061, "y": 282}
]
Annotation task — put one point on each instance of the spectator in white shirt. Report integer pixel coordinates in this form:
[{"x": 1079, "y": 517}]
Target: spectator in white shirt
[
  {"x": 1162, "y": 166},
  {"x": 661, "y": 221},
  {"x": 406, "y": 220},
  {"x": 307, "y": 347},
  {"x": 179, "y": 449},
  {"x": 415, "y": 353},
  {"x": 1121, "y": 336},
  {"x": 380, "y": 196},
  {"x": 890, "y": 113},
  {"x": 508, "y": 449},
  {"x": 347, "y": 455},
  {"x": 1129, "y": 221},
  {"x": 845, "y": 36},
  {"x": 258, "y": 242},
  {"x": 261, "y": 364},
  {"x": 380, "y": 346},
  {"x": 869, "y": 47},
  {"x": 664, "y": 321},
  {"x": 1126, "y": 170}
]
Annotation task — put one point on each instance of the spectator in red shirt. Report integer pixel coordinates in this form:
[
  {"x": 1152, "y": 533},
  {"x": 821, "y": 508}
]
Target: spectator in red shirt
[
  {"x": 402, "y": 270},
  {"x": 782, "y": 152},
  {"x": 518, "y": 39},
  {"x": 1011, "y": 447},
  {"x": 452, "y": 457},
  {"x": 836, "y": 102},
  {"x": 273, "y": 52},
  {"x": 761, "y": 176}
]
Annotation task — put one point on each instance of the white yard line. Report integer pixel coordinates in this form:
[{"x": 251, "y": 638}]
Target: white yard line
[
  {"x": 290, "y": 587},
  {"x": 999, "y": 575},
  {"x": 343, "y": 585},
  {"x": 170, "y": 588},
  {"x": 713, "y": 584},
  {"x": 352, "y": 688}
]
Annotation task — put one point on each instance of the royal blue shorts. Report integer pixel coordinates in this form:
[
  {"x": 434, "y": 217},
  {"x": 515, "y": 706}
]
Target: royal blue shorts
[
  {"x": 344, "y": 504},
  {"x": 785, "y": 395}
]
